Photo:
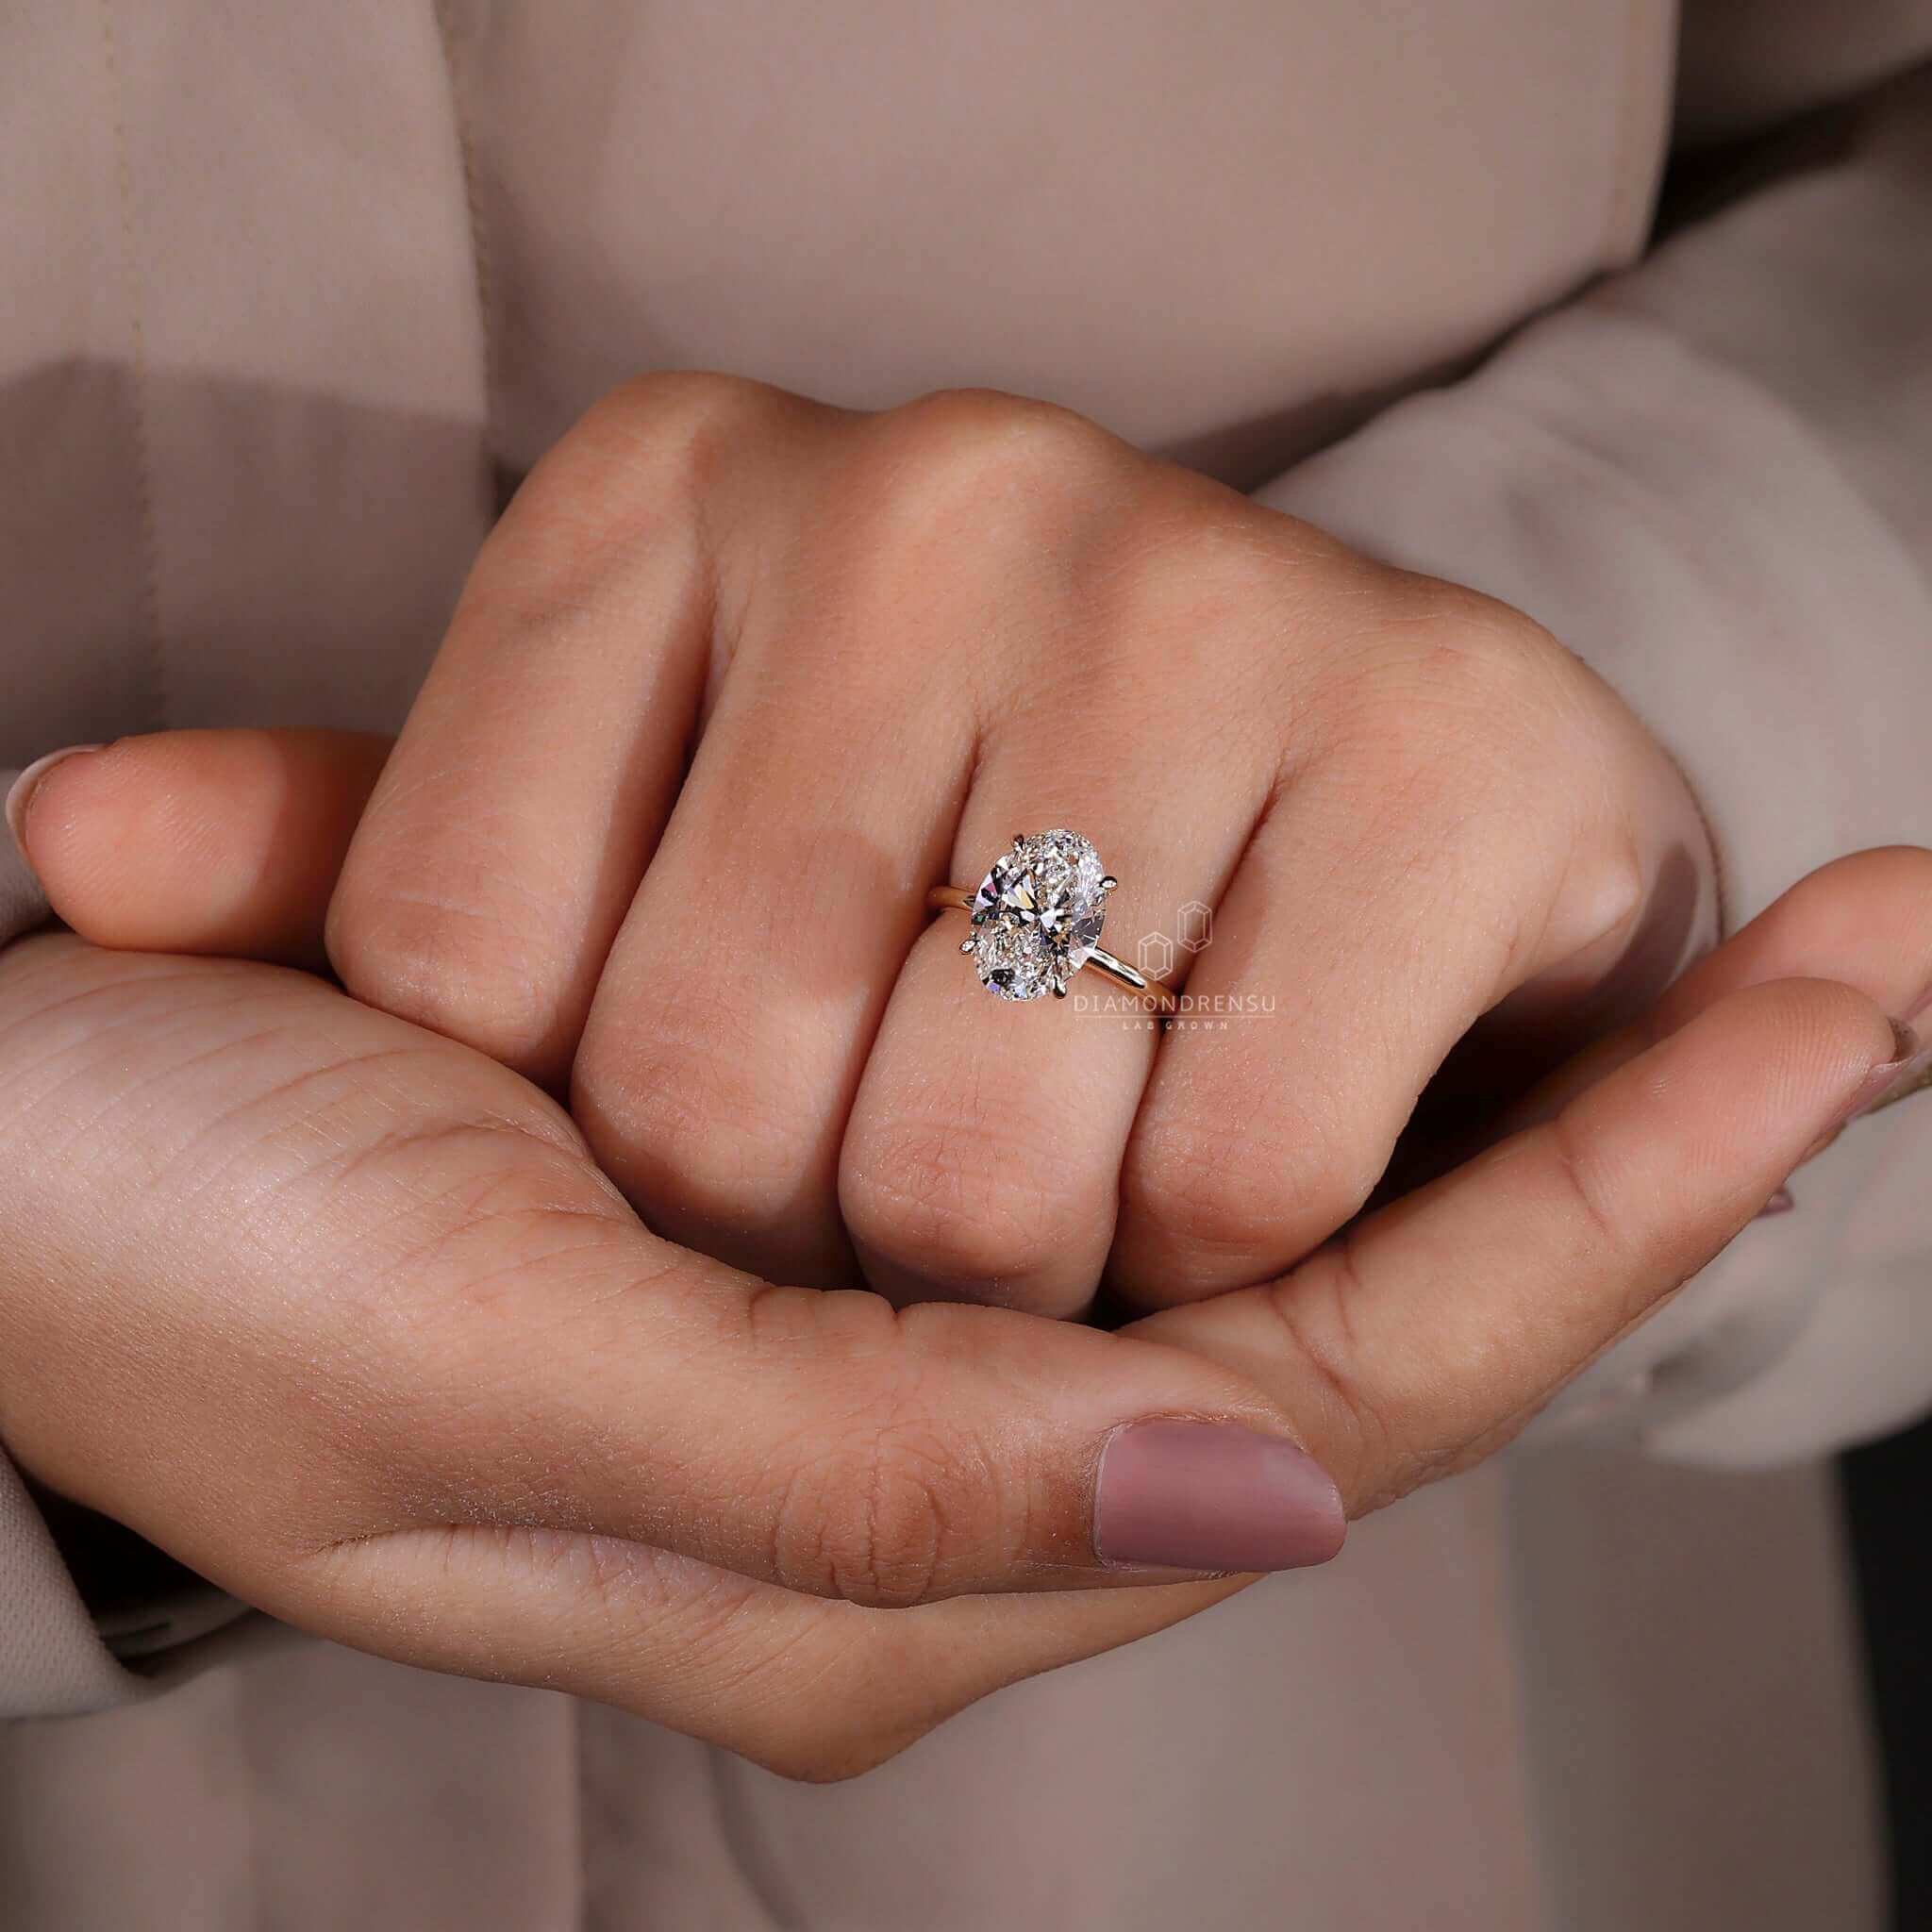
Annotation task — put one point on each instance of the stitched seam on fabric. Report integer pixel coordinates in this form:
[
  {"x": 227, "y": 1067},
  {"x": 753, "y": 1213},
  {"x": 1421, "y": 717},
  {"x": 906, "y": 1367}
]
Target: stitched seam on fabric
[
  {"x": 463, "y": 120},
  {"x": 143, "y": 442}
]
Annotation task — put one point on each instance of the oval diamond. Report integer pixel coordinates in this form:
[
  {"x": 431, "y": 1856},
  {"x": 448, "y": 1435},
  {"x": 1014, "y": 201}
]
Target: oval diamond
[{"x": 1037, "y": 915}]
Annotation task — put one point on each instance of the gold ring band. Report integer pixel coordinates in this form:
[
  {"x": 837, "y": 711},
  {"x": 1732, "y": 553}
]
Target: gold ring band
[
  {"x": 1157, "y": 992},
  {"x": 1037, "y": 919}
]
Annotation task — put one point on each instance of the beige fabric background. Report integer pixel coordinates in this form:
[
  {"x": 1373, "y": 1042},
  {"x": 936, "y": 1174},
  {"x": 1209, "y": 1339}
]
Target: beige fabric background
[{"x": 290, "y": 295}]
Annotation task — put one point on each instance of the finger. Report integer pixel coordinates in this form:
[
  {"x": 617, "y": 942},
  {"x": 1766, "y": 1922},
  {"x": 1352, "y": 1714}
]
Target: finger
[
  {"x": 541, "y": 759},
  {"x": 983, "y": 1154},
  {"x": 400, "y": 1251},
  {"x": 807, "y": 1688},
  {"x": 823, "y": 1442},
  {"x": 738, "y": 1002},
  {"x": 199, "y": 842},
  {"x": 1429, "y": 1332},
  {"x": 1496, "y": 824},
  {"x": 1864, "y": 921}
]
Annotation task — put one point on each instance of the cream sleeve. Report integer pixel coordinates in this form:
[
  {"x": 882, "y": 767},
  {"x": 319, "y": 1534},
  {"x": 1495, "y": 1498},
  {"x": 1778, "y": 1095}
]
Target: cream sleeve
[{"x": 1711, "y": 476}]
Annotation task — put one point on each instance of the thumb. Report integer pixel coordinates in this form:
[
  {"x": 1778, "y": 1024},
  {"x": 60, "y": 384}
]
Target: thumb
[
  {"x": 197, "y": 842},
  {"x": 340, "y": 1280}
]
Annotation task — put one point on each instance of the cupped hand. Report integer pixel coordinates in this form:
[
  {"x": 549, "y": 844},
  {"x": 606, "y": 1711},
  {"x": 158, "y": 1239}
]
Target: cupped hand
[
  {"x": 342, "y": 1314},
  {"x": 739, "y": 678}
]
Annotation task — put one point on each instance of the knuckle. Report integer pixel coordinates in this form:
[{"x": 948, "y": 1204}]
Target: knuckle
[
  {"x": 450, "y": 1233},
  {"x": 965, "y": 1208},
  {"x": 1590, "y": 1189},
  {"x": 1182, "y": 586},
  {"x": 888, "y": 1518},
  {"x": 645, "y": 452},
  {"x": 1361, "y": 1445},
  {"x": 449, "y": 959},
  {"x": 1438, "y": 660},
  {"x": 963, "y": 421},
  {"x": 1184, "y": 536},
  {"x": 1449, "y": 703},
  {"x": 1388, "y": 1417},
  {"x": 1248, "y": 1183},
  {"x": 975, "y": 449},
  {"x": 1605, "y": 895},
  {"x": 1492, "y": 645},
  {"x": 501, "y": 1212},
  {"x": 485, "y": 1210},
  {"x": 682, "y": 1126},
  {"x": 680, "y": 413}
]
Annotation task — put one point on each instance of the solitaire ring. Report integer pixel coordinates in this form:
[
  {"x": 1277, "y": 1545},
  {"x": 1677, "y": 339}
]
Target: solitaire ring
[{"x": 1037, "y": 918}]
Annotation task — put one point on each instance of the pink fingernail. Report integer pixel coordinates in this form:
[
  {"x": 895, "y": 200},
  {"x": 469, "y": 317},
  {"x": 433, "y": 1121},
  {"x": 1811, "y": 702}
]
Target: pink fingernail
[
  {"x": 1212, "y": 1496},
  {"x": 1780, "y": 1203},
  {"x": 21, "y": 795}
]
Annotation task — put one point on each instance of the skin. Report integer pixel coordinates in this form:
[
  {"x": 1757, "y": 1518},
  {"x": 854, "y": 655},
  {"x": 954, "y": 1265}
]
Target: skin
[
  {"x": 894, "y": 642},
  {"x": 320, "y": 1291}
]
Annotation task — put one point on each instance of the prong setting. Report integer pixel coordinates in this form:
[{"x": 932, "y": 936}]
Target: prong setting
[{"x": 1036, "y": 916}]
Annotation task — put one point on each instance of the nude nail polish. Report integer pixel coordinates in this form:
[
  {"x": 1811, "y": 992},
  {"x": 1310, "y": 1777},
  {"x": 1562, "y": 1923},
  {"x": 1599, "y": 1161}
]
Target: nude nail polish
[{"x": 1212, "y": 1496}]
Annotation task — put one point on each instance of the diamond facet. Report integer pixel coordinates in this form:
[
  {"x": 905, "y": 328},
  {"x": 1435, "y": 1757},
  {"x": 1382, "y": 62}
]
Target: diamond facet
[{"x": 1036, "y": 916}]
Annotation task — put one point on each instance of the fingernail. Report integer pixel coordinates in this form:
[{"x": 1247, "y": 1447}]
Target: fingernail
[
  {"x": 1913, "y": 1076},
  {"x": 1780, "y": 1203},
  {"x": 1885, "y": 1076},
  {"x": 1212, "y": 1496},
  {"x": 27, "y": 783},
  {"x": 1891, "y": 1080}
]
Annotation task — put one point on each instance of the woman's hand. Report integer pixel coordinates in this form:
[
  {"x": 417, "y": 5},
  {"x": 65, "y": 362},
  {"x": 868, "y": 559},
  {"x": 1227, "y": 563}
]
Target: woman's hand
[
  {"x": 739, "y": 678},
  {"x": 348, "y": 1318},
  {"x": 342, "y": 1315},
  {"x": 338, "y": 1314}
]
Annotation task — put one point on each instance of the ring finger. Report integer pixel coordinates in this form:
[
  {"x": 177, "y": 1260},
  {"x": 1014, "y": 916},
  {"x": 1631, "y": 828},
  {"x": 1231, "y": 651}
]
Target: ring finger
[{"x": 982, "y": 1159}]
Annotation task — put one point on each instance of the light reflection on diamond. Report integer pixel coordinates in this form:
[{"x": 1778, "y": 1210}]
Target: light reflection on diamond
[{"x": 1037, "y": 915}]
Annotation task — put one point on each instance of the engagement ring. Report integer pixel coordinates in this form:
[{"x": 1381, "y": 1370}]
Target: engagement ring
[{"x": 1037, "y": 918}]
